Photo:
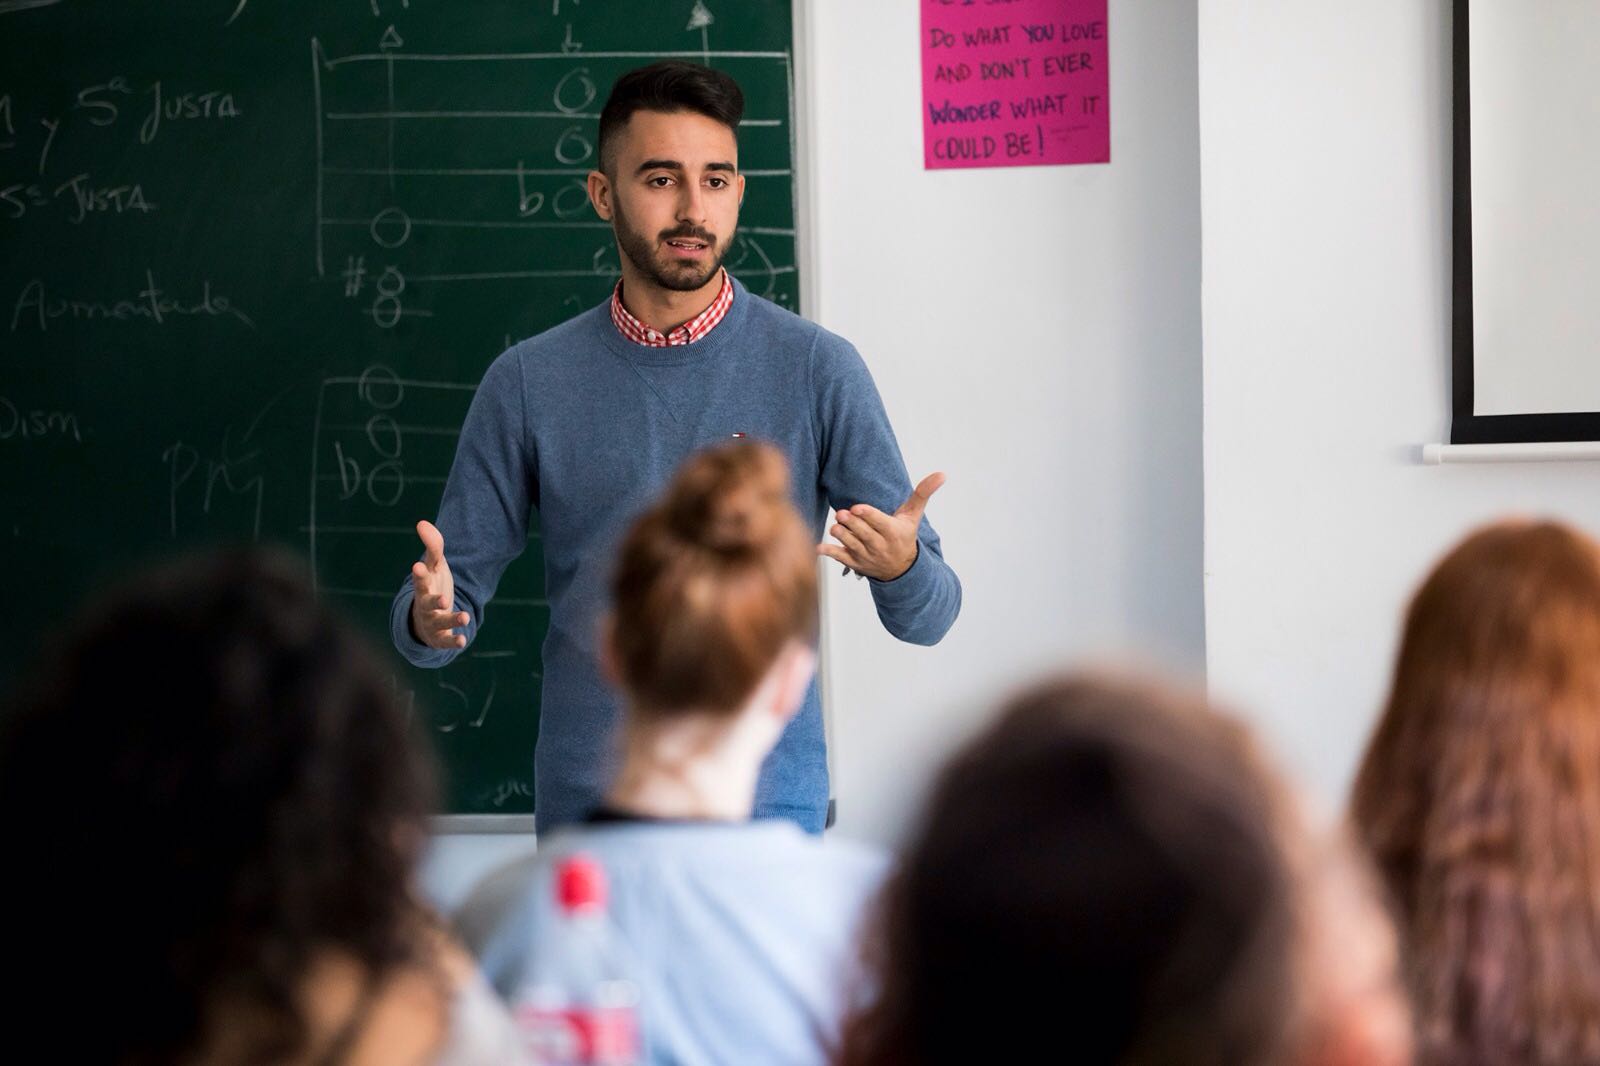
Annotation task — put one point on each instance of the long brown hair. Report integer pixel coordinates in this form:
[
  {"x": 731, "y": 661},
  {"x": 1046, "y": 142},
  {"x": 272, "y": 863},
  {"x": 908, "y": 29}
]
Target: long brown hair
[
  {"x": 1479, "y": 798},
  {"x": 1100, "y": 871},
  {"x": 712, "y": 583}
]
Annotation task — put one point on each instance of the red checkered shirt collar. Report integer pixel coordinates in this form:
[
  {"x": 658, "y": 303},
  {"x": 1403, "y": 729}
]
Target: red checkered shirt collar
[{"x": 693, "y": 330}]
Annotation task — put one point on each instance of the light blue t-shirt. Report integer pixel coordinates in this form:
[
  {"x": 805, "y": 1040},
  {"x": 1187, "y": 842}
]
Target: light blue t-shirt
[
  {"x": 588, "y": 428},
  {"x": 743, "y": 936}
]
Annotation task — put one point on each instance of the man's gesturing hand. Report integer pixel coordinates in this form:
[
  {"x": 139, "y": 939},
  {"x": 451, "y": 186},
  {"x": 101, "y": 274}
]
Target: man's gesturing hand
[
  {"x": 433, "y": 614},
  {"x": 881, "y": 546}
]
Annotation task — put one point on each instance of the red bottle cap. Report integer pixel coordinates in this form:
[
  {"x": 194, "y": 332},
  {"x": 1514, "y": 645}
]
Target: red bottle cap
[{"x": 580, "y": 884}]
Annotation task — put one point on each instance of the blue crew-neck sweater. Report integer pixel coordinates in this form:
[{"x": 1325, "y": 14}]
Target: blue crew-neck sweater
[{"x": 587, "y": 428}]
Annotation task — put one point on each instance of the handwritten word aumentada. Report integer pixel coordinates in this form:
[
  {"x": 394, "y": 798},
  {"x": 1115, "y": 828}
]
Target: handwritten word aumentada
[{"x": 36, "y": 306}]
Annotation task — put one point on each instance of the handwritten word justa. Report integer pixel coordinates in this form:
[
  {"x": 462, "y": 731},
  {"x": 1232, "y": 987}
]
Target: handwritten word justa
[
  {"x": 35, "y": 306},
  {"x": 102, "y": 105},
  {"x": 213, "y": 104},
  {"x": 98, "y": 103},
  {"x": 83, "y": 196}
]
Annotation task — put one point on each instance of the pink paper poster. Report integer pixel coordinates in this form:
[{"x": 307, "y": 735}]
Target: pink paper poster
[{"x": 1014, "y": 83}]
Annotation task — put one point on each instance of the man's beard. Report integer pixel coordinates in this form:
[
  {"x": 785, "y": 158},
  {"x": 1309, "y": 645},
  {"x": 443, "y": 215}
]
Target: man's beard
[{"x": 678, "y": 277}]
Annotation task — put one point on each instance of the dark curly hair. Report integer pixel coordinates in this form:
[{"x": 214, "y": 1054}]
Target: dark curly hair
[{"x": 215, "y": 786}]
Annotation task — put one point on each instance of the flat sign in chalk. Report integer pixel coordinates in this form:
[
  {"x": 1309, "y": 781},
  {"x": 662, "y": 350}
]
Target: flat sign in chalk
[{"x": 1014, "y": 83}]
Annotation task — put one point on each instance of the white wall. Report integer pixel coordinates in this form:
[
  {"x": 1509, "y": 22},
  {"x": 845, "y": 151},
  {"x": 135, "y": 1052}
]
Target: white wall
[
  {"x": 1035, "y": 334},
  {"x": 1325, "y": 170}
]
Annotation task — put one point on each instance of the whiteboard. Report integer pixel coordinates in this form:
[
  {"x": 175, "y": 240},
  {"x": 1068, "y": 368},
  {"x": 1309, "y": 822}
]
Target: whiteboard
[{"x": 1535, "y": 206}]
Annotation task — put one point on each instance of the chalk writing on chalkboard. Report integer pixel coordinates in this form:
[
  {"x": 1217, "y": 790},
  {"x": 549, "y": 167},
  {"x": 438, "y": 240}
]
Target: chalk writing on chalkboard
[
  {"x": 36, "y": 306},
  {"x": 380, "y": 451},
  {"x": 381, "y": 154},
  {"x": 1019, "y": 83},
  {"x": 21, "y": 423},
  {"x": 263, "y": 259},
  {"x": 24, "y": 5}
]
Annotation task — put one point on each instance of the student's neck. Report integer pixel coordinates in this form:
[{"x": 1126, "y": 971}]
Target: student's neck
[
  {"x": 697, "y": 767},
  {"x": 664, "y": 310}
]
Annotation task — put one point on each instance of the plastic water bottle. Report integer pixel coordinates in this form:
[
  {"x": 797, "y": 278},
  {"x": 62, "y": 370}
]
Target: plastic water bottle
[{"x": 577, "y": 1005}]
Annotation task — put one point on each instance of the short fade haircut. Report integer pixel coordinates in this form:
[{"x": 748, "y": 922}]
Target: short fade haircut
[{"x": 669, "y": 86}]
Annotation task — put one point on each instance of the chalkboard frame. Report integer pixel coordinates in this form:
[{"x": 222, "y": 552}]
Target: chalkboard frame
[{"x": 226, "y": 412}]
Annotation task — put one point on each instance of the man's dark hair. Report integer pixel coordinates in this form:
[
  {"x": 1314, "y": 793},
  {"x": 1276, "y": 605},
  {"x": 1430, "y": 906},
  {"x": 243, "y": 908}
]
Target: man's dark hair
[
  {"x": 1098, "y": 872},
  {"x": 210, "y": 784},
  {"x": 668, "y": 86}
]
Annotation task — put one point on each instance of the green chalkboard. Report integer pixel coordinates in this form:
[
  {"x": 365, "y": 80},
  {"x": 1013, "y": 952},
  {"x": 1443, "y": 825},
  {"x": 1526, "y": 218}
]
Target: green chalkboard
[{"x": 256, "y": 254}]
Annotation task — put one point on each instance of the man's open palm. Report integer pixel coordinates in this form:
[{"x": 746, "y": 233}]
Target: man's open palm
[
  {"x": 877, "y": 545},
  {"x": 434, "y": 619}
]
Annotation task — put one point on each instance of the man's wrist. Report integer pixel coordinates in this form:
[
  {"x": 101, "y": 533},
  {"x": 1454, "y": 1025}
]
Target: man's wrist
[{"x": 916, "y": 552}]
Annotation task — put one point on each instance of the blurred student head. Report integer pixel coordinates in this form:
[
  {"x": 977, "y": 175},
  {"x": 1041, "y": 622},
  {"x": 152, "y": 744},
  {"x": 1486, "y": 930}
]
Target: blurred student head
[
  {"x": 1351, "y": 1007},
  {"x": 737, "y": 929},
  {"x": 1109, "y": 870},
  {"x": 220, "y": 804},
  {"x": 1479, "y": 798},
  {"x": 714, "y": 614}
]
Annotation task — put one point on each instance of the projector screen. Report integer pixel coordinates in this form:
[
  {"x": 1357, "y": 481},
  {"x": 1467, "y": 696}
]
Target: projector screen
[{"x": 1527, "y": 292}]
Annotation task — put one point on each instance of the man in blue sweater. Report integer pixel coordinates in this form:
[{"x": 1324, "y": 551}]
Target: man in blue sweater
[{"x": 588, "y": 421}]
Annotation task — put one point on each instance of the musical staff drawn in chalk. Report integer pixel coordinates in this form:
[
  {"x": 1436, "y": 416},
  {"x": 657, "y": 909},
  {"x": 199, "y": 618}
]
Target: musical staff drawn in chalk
[
  {"x": 419, "y": 183},
  {"x": 381, "y": 450}
]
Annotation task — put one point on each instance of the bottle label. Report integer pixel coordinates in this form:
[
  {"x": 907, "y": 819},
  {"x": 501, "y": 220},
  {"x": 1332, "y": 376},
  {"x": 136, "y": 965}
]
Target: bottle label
[{"x": 580, "y": 1036}]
